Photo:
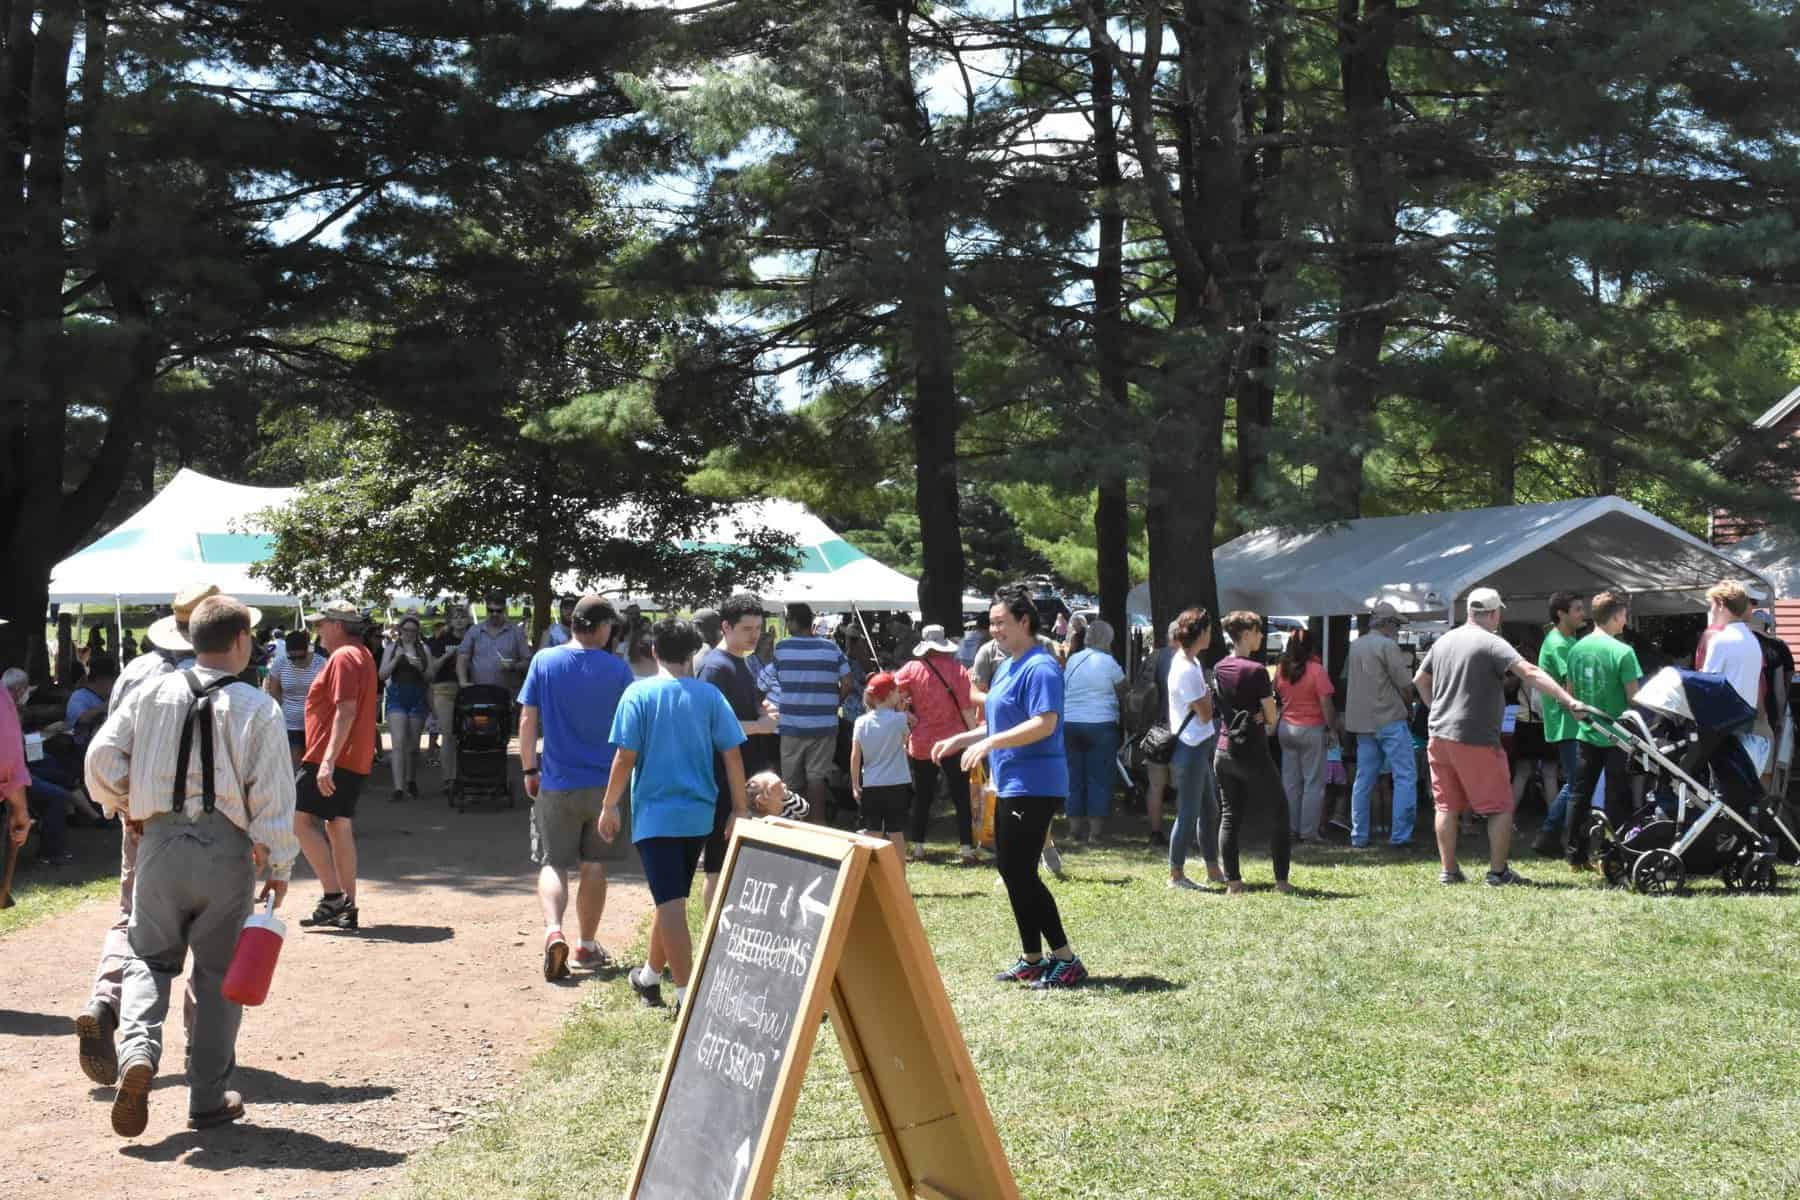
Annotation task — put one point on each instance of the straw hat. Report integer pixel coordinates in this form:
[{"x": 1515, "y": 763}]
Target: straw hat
[{"x": 167, "y": 632}]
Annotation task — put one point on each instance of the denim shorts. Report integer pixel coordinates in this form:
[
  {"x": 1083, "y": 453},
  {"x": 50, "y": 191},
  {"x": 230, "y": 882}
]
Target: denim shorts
[{"x": 406, "y": 700}]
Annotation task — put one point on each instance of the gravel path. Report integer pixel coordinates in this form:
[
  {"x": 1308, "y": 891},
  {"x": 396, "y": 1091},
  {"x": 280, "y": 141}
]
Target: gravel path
[{"x": 373, "y": 1045}]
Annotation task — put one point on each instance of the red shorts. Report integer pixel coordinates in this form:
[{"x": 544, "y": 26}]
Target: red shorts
[{"x": 1468, "y": 778}]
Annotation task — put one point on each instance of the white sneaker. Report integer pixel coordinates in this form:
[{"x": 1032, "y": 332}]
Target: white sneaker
[{"x": 1185, "y": 884}]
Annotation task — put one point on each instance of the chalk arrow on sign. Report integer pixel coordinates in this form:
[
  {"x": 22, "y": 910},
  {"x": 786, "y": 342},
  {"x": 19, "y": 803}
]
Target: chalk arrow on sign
[
  {"x": 807, "y": 904},
  {"x": 725, "y": 916},
  {"x": 740, "y": 1163}
]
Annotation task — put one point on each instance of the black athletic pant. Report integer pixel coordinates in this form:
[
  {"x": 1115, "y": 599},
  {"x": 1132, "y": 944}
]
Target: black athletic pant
[
  {"x": 1020, "y": 823},
  {"x": 956, "y": 781},
  {"x": 1249, "y": 780},
  {"x": 1593, "y": 760}
]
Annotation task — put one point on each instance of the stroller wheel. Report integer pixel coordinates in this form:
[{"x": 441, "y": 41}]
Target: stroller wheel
[
  {"x": 1612, "y": 865},
  {"x": 1732, "y": 874},
  {"x": 1759, "y": 874},
  {"x": 1600, "y": 831},
  {"x": 1658, "y": 872}
]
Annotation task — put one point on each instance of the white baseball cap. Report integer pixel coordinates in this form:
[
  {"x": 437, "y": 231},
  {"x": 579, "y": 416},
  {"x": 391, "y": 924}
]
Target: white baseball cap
[{"x": 1485, "y": 600}]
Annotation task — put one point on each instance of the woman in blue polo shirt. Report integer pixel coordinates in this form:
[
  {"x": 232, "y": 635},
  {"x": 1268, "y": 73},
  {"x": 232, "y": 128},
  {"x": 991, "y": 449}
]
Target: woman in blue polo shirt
[{"x": 1022, "y": 739}]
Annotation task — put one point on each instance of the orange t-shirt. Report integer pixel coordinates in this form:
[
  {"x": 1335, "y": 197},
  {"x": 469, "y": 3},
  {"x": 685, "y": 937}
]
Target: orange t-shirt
[{"x": 349, "y": 674}]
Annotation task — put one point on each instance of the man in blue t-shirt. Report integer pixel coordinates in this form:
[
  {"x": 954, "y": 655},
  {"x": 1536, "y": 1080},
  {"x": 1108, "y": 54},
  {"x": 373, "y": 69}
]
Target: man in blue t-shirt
[
  {"x": 571, "y": 694},
  {"x": 814, "y": 678},
  {"x": 667, "y": 729}
]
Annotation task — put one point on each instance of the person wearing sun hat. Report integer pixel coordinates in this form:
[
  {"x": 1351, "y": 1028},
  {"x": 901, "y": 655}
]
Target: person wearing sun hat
[
  {"x": 340, "y": 750},
  {"x": 936, "y": 688},
  {"x": 167, "y": 649}
]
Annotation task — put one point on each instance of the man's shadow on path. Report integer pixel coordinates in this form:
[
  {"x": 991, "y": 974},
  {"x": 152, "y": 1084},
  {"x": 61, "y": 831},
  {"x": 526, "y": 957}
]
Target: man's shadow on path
[{"x": 260, "y": 1146}]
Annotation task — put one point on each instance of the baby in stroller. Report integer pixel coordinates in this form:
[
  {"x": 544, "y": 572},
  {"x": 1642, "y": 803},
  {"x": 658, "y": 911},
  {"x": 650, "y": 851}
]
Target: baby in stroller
[{"x": 1681, "y": 730}]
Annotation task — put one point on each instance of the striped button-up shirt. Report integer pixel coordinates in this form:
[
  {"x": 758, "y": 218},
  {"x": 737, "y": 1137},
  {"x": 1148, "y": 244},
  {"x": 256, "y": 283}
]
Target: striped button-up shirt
[
  {"x": 808, "y": 669},
  {"x": 131, "y": 764}
]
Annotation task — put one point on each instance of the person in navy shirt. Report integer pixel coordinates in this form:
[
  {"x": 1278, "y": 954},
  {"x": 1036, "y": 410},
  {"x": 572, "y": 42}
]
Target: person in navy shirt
[
  {"x": 571, "y": 693},
  {"x": 1022, "y": 739}
]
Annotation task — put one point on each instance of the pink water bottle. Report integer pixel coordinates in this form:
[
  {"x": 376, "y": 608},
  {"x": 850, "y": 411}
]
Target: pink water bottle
[{"x": 253, "y": 962}]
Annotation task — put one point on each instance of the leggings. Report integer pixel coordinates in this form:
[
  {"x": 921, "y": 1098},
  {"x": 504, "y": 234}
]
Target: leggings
[
  {"x": 956, "y": 781},
  {"x": 1248, "y": 780},
  {"x": 1020, "y": 823}
]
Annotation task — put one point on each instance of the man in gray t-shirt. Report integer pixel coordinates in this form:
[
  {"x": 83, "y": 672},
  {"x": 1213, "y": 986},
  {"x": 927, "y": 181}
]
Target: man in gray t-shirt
[{"x": 1463, "y": 679}]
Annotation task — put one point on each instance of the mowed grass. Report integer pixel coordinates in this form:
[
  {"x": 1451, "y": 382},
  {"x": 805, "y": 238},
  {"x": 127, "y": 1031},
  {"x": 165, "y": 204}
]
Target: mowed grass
[
  {"x": 40, "y": 893},
  {"x": 1378, "y": 1035}
]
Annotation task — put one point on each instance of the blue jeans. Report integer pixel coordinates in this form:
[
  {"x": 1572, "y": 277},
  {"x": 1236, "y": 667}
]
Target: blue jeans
[
  {"x": 1196, "y": 803},
  {"x": 52, "y": 802},
  {"x": 1568, "y": 758},
  {"x": 1092, "y": 747},
  {"x": 1391, "y": 747}
]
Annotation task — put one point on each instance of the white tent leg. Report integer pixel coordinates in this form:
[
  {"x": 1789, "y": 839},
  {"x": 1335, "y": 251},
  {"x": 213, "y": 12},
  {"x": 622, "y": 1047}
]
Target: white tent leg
[{"x": 118, "y": 629}]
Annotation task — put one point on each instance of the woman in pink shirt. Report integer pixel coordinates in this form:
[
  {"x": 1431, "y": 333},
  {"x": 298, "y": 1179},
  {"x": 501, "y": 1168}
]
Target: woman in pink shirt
[
  {"x": 15, "y": 777},
  {"x": 1308, "y": 719},
  {"x": 937, "y": 690}
]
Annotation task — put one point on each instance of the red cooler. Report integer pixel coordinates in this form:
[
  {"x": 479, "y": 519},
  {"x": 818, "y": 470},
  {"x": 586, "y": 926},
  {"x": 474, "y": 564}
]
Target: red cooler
[{"x": 253, "y": 962}]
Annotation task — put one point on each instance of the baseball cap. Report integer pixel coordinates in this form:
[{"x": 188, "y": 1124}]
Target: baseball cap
[
  {"x": 593, "y": 611},
  {"x": 881, "y": 685},
  {"x": 1385, "y": 613},
  {"x": 1485, "y": 599}
]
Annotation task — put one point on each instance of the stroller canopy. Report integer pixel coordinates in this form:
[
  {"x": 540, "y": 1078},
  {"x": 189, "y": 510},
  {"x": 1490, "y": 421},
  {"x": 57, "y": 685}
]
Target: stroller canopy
[{"x": 1709, "y": 701}]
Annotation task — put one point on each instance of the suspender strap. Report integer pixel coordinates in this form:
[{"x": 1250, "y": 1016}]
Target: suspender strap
[{"x": 201, "y": 713}]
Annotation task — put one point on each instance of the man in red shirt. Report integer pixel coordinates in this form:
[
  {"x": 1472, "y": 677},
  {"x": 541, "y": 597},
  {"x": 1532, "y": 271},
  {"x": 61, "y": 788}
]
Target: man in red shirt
[{"x": 340, "y": 749}]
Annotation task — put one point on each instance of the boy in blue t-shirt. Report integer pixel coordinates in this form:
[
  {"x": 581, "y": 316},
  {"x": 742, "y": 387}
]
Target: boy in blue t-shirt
[{"x": 666, "y": 730}]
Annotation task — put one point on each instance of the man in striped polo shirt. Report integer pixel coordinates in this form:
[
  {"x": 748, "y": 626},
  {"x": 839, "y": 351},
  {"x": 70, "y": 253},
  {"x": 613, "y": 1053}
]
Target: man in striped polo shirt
[{"x": 814, "y": 677}]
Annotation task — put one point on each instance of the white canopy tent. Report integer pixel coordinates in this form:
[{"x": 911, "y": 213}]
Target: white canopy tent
[
  {"x": 1424, "y": 564},
  {"x": 202, "y": 529},
  {"x": 195, "y": 529},
  {"x": 1773, "y": 554}
]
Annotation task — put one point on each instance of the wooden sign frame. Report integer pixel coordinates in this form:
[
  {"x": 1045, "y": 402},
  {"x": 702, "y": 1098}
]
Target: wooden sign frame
[{"x": 874, "y": 975}]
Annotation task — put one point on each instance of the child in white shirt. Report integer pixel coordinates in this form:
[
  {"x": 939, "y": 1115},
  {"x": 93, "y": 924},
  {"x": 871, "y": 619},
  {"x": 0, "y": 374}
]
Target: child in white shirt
[{"x": 880, "y": 778}]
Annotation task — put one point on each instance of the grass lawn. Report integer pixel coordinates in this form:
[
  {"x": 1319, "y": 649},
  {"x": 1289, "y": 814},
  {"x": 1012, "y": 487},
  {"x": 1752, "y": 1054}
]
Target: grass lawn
[
  {"x": 1378, "y": 1035},
  {"x": 41, "y": 893}
]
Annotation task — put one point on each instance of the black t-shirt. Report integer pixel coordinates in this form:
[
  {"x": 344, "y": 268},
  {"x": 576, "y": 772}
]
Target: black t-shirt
[
  {"x": 1243, "y": 685},
  {"x": 734, "y": 677},
  {"x": 438, "y": 644}
]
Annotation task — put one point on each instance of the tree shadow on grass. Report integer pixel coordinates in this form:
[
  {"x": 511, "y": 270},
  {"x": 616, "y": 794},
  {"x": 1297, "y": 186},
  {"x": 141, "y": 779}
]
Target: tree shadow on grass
[
  {"x": 241, "y": 1144},
  {"x": 14, "y": 1023}
]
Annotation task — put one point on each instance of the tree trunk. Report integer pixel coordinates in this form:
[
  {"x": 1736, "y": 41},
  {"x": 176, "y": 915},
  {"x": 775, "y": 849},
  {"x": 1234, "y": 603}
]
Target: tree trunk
[
  {"x": 31, "y": 355},
  {"x": 936, "y": 414},
  {"x": 1255, "y": 393},
  {"x": 1368, "y": 270},
  {"x": 1112, "y": 513}
]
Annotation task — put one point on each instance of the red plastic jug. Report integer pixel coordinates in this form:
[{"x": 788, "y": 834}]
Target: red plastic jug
[{"x": 253, "y": 962}]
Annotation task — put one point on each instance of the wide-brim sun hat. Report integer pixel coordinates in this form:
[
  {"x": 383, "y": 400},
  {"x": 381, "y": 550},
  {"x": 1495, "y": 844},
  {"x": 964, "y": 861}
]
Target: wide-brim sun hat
[
  {"x": 932, "y": 638},
  {"x": 165, "y": 632},
  {"x": 336, "y": 610}
]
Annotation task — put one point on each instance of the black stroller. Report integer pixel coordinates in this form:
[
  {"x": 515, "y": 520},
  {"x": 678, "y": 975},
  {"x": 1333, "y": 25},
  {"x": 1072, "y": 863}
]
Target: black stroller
[
  {"x": 483, "y": 727},
  {"x": 1686, "y": 828}
]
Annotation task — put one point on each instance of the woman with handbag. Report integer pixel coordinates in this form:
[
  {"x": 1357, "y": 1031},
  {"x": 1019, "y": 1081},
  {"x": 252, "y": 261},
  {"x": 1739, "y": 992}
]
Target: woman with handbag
[
  {"x": 936, "y": 689},
  {"x": 1186, "y": 744},
  {"x": 1247, "y": 775},
  {"x": 1092, "y": 684}
]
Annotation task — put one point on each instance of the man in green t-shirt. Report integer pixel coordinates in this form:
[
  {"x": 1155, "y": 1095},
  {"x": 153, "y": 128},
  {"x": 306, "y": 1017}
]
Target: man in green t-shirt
[
  {"x": 1603, "y": 674},
  {"x": 1568, "y": 613}
]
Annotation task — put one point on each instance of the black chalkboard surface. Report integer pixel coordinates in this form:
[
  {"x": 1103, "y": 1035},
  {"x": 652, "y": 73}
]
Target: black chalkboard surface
[{"x": 741, "y": 1024}]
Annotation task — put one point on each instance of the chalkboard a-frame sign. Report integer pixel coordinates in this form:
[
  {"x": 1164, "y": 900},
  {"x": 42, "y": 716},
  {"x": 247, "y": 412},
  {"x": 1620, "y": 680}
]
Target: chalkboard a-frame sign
[{"x": 810, "y": 920}]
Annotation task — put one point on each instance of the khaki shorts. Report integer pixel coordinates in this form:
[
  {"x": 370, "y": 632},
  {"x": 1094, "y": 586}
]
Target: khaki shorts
[
  {"x": 564, "y": 829},
  {"x": 805, "y": 759}
]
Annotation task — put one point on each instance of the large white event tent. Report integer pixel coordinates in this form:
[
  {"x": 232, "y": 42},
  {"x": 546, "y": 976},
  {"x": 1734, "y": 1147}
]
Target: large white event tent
[
  {"x": 200, "y": 528},
  {"x": 1423, "y": 565}
]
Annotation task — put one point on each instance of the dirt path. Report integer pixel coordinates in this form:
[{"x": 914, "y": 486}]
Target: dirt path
[{"x": 373, "y": 1045}]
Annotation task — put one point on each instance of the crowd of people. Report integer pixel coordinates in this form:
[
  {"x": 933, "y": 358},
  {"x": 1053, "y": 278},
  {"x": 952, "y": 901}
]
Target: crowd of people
[{"x": 661, "y": 735}]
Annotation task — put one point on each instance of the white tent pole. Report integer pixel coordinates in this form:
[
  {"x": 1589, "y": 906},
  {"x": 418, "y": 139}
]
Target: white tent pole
[
  {"x": 118, "y": 629},
  {"x": 867, "y": 640}
]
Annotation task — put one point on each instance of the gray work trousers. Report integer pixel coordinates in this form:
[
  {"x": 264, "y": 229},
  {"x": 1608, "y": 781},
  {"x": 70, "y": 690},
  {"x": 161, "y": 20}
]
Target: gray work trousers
[
  {"x": 1303, "y": 776},
  {"x": 109, "y": 976},
  {"x": 193, "y": 892}
]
